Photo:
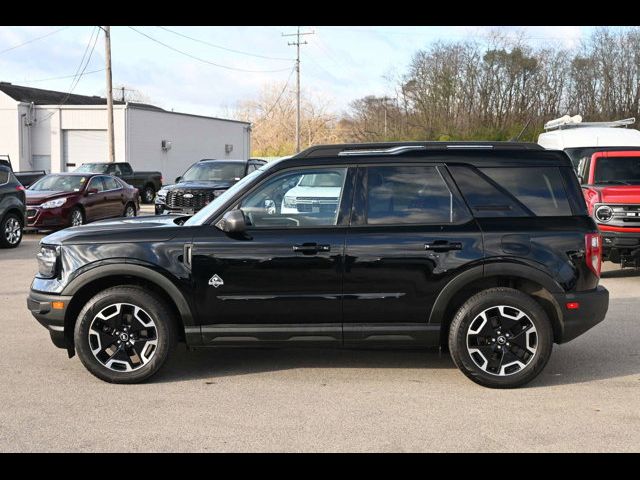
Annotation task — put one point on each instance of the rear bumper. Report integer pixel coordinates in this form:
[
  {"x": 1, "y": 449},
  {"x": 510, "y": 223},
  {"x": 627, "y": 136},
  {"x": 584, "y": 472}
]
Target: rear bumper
[
  {"x": 592, "y": 310},
  {"x": 39, "y": 304}
]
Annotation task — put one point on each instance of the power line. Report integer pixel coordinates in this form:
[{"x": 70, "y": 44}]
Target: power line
[
  {"x": 32, "y": 40},
  {"x": 203, "y": 60},
  {"x": 225, "y": 48},
  {"x": 61, "y": 78},
  {"x": 80, "y": 70},
  {"x": 279, "y": 96}
]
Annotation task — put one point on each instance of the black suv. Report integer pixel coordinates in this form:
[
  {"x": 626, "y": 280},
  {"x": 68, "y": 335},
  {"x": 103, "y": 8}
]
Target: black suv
[
  {"x": 12, "y": 209},
  {"x": 484, "y": 247},
  {"x": 201, "y": 184}
]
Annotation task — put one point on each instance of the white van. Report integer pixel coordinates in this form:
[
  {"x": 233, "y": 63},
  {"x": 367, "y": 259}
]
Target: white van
[{"x": 582, "y": 139}]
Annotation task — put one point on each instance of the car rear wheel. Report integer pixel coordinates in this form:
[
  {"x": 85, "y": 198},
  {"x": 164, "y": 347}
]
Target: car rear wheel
[
  {"x": 501, "y": 338},
  {"x": 129, "y": 210},
  {"x": 77, "y": 217},
  {"x": 148, "y": 194},
  {"x": 124, "y": 334},
  {"x": 11, "y": 231}
]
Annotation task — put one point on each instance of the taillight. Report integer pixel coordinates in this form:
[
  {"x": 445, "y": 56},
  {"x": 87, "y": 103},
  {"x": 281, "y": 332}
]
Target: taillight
[
  {"x": 20, "y": 188},
  {"x": 593, "y": 252}
]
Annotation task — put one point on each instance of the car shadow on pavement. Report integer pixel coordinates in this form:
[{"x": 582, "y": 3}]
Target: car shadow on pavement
[
  {"x": 206, "y": 363},
  {"x": 621, "y": 273}
]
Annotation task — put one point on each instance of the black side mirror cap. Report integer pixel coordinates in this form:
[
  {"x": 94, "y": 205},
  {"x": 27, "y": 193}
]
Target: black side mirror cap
[
  {"x": 233, "y": 222},
  {"x": 178, "y": 179}
]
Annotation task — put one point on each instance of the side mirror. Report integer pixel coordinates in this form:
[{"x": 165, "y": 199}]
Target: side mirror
[
  {"x": 178, "y": 179},
  {"x": 92, "y": 191},
  {"x": 232, "y": 222},
  {"x": 270, "y": 207}
]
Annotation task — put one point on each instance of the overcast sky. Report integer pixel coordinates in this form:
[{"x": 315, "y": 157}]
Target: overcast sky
[{"x": 343, "y": 63}]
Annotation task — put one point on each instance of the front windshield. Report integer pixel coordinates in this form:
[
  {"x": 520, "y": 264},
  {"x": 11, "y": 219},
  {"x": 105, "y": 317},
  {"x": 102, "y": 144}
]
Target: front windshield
[
  {"x": 617, "y": 170},
  {"x": 92, "y": 168},
  {"x": 202, "y": 216},
  {"x": 60, "y": 183},
  {"x": 212, "y": 171}
]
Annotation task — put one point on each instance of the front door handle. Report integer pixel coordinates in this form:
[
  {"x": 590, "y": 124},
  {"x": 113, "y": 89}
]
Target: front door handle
[
  {"x": 311, "y": 248},
  {"x": 442, "y": 246}
]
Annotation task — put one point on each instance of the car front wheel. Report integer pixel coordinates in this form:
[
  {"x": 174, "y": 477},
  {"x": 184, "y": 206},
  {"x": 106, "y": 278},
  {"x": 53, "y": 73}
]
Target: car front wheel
[
  {"x": 501, "y": 338},
  {"x": 10, "y": 231},
  {"x": 124, "y": 334},
  {"x": 148, "y": 194}
]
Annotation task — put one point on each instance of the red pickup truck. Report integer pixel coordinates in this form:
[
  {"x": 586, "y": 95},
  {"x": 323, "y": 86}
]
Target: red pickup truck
[{"x": 611, "y": 186}]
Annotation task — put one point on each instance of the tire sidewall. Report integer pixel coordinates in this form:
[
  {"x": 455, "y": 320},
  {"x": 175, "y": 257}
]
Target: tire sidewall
[
  {"x": 148, "y": 198},
  {"x": 127, "y": 206},
  {"x": 158, "y": 311},
  {"x": 4, "y": 243},
  {"x": 477, "y": 304}
]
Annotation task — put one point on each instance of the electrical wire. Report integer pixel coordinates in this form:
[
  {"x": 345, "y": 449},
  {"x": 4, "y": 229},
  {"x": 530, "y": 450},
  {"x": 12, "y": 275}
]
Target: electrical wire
[
  {"x": 226, "y": 48},
  {"x": 279, "y": 96},
  {"x": 62, "y": 78},
  {"x": 203, "y": 60},
  {"x": 79, "y": 71},
  {"x": 32, "y": 40}
]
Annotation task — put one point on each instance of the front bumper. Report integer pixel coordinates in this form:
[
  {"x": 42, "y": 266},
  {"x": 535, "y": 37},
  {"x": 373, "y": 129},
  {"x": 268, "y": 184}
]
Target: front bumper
[
  {"x": 163, "y": 209},
  {"x": 40, "y": 305},
  {"x": 592, "y": 310},
  {"x": 47, "y": 217},
  {"x": 625, "y": 242}
]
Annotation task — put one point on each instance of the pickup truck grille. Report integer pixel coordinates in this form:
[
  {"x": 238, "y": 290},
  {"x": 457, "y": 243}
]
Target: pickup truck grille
[
  {"x": 195, "y": 199},
  {"x": 316, "y": 204}
]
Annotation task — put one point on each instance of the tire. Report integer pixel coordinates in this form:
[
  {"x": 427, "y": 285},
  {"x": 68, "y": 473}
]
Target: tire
[
  {"x": 152, "y": 330},
  {"x": 129, "y": 210},
  {"x": 148, "y": 194},
  {"x": 510, "y": 355},
  {"x": 11, "y": 230},
  {"x": 77, "y": 218}
]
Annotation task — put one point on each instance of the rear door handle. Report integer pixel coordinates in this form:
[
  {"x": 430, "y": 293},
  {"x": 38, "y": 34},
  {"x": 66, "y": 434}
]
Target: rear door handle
[
  {"x": 442, "y": 246},
  {"x": 311, "y": 248}
]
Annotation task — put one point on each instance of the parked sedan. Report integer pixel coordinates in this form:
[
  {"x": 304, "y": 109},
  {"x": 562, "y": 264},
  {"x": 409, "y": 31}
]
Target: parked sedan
[{"x": 70, "y": 199}]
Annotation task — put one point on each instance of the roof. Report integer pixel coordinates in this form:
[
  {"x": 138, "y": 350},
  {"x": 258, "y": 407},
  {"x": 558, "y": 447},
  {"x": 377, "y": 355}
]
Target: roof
[
  {"x": 223, "y": 160},
  {"x": 50, "y": 97},
  {"x": 396, "y": 148},
  {"x": 590, "y": 137}
]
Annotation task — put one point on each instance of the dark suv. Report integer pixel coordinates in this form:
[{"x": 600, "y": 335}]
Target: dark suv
[
  {"x": 201, "y": 184},
  {"x": 12, "y": 209},
  {"x": 485, "y": 247}
]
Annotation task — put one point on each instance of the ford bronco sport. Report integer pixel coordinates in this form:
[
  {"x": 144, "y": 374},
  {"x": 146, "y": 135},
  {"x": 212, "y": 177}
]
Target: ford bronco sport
[{"x": 485, "y": 247}]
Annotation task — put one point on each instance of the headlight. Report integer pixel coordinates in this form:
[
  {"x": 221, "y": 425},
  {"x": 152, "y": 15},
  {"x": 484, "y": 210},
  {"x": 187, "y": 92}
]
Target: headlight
[
  {"x": 48, "y": 261},
  {"x": 161, "y": 195},
  {"x": 604, "y": 213},
  {"x": 290, "y": 202},
  {"x": 54, "y": 203}
]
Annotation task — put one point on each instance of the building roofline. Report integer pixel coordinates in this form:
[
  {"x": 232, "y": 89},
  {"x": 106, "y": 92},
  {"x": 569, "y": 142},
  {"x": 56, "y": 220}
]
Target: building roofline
[{"x": 142, "y": 107}]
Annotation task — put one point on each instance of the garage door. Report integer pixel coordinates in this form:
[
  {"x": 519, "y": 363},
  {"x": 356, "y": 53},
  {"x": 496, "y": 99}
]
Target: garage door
[{"x": 82, "y": 146}]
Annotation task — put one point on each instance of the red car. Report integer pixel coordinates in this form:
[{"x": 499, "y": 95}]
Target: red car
[
  {"x": 611, "y": 187},
  {"x": 61, "y": 200}
]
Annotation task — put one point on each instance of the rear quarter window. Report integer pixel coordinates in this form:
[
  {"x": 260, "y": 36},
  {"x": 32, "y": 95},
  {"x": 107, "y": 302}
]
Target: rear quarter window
[
  {"x": 513, "y": 191},
  {"x": 4, "y": 176}
]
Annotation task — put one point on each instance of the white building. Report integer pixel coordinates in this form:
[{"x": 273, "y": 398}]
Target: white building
[{"x": 45, "y": 130}]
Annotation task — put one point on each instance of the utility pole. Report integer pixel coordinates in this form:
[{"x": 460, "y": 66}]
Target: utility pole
[
  {"x": 107, "y": 50},
  {"x": 297, "y": 43}
]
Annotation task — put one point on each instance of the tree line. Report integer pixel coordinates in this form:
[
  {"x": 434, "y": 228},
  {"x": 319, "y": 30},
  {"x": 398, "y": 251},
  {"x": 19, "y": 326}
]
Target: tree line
[{"x": 468, "y": 90}]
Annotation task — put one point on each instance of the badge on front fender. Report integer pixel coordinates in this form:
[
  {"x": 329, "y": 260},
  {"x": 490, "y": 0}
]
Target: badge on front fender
[{"x": 216, "y": 281}]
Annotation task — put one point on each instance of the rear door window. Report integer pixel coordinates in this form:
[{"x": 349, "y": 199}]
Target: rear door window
[
  {"x": 4, "y": 176},
  {"x": 410, "y": 195}
]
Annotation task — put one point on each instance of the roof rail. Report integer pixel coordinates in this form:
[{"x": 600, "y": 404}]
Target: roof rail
[
  {"x": 381, "y": 151},
  {"x": 576, "y": 122},
  {"x": 398, "y": 148}
]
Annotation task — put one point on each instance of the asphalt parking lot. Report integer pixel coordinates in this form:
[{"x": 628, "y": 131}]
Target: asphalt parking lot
[{"x": 587, "y": 399}]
